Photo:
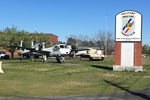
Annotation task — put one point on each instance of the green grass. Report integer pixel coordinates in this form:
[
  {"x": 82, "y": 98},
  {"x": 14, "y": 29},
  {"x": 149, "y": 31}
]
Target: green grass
[{"x": 74, "y": 77}]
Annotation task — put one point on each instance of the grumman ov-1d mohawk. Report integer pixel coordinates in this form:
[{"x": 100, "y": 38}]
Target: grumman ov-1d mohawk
[
  {"x": 28, "y": 52},
  {"x": 58, "y": 50}
]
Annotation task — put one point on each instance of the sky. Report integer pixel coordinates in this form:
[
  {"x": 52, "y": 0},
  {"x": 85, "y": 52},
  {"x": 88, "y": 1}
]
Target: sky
[{"x": 66, "y": 18}]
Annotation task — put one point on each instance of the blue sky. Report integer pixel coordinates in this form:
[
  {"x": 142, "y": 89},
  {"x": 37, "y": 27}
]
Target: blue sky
[{"x": 70, "y": 17}]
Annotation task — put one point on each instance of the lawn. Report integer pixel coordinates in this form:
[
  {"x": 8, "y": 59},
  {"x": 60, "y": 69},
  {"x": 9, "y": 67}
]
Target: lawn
[{"x": 74, "y": 77}]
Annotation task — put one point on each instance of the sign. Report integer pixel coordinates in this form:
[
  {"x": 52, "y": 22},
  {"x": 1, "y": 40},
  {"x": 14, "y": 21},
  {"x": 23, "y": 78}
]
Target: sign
[{"x": 128, "y": 26}]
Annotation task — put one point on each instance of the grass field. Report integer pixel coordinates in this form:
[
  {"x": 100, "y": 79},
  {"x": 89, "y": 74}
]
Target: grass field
[{"x": 74, "y": 77}]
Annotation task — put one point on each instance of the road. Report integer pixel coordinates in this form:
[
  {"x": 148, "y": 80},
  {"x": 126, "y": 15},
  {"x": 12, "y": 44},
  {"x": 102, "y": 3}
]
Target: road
[{"x": 143, "y": 94}]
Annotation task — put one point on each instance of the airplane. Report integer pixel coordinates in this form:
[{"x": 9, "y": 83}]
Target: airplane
[
  {"x": 58, "y": 50},
  {"x": 28, "y": 52}
]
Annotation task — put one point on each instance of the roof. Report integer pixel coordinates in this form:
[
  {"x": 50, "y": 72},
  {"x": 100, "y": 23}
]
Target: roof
[
  {"x": 46, "y": 34},
  {"x": 50, "y": 34}
]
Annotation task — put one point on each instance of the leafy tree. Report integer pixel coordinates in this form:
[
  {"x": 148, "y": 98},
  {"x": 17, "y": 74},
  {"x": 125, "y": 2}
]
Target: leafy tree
[
  {"x": 12, "y": 38},
  {"x": 39, "y": 38},
  {"x": 3, "y": 39}
]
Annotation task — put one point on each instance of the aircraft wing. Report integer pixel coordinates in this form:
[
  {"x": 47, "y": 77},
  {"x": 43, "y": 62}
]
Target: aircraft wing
[
  {"x": 17, "y": 47},
  {"x": 43, "y": 52},
  {"x": 76, "y": 50}
]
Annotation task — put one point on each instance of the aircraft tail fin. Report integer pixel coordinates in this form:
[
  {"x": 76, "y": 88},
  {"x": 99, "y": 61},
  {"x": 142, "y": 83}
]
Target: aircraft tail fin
[
  {"x": 32, "y": 44},
  {"x": 21, "y": 43},
  {"x": 43, "y": 45}
]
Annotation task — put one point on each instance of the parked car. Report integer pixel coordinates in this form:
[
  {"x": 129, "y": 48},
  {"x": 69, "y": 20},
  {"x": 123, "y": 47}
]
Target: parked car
[{"x": 3, "y": 55}]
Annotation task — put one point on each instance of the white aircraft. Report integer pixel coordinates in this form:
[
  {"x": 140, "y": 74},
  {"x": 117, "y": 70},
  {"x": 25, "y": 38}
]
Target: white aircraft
[{"x": 59, "y": 51}]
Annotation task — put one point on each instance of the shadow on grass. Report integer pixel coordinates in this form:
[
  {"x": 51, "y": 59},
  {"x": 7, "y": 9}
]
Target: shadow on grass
[
  {"x": 131, "y": 92},
  {"x": 102, "y": 67}
]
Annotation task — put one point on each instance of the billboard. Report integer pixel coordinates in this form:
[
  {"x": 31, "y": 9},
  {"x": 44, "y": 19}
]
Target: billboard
[{"x": 128, "y": 26}]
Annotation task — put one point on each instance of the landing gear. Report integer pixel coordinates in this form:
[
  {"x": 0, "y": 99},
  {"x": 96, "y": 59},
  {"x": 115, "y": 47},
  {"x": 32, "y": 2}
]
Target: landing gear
[
  {"x": 36, "y": 56},
  {"x": 44, "y": 58},
  {"x": 60, "y": 59}
]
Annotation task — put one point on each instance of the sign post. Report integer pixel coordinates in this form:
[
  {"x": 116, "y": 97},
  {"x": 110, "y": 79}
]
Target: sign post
[{"x": 128, "y": 41}]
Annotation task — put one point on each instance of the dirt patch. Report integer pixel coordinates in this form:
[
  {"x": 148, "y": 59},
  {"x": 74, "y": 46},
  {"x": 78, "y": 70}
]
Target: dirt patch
[{"x": 146, "y": 76}]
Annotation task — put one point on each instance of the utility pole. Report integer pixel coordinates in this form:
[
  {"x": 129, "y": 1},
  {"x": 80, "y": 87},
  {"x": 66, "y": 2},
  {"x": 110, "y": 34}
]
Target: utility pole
[{"x": 106, "y": 44}]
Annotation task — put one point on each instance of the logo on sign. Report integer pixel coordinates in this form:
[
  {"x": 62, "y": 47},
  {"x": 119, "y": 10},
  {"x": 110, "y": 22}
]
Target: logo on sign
[{"x": 128, "y": 25}]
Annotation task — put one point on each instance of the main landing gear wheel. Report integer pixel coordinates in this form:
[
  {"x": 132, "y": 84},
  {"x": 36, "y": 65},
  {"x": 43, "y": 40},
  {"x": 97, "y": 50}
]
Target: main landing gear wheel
[{"x": 60, "y": 59}]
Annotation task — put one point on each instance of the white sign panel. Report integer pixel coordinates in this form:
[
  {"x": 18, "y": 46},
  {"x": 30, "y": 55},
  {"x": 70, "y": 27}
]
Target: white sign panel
[
  {"x": 127, "y": 54},
  {"x": 128, "y": 26}
]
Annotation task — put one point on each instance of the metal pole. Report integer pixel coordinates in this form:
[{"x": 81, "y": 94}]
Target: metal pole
[{"x": 106, "y": 45}]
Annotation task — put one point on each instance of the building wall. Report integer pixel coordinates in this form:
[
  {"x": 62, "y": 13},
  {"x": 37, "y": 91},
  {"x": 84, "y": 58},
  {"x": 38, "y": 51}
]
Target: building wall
[
  {"x": 117, "y": 53},
  {"x": 53, "y": 38},
  {"x": 138, "y": 53}
]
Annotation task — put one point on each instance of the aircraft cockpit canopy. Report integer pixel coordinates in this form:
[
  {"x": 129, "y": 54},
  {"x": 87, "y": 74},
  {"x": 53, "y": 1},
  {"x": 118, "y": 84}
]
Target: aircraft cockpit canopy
[{"x": 63, "y": 46}]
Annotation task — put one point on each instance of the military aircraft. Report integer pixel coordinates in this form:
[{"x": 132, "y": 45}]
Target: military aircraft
[
  {"x": 58, "y": 50},
  {"x": 92, "y": 53},
  {"x": 28, "y": 52}
]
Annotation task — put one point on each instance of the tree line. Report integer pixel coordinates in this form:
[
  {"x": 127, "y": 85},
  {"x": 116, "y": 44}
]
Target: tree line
[
  {"x": 146, "y": 49},
  {"x": 12, "y": 36},
  {"x": 103, "y": 40}
]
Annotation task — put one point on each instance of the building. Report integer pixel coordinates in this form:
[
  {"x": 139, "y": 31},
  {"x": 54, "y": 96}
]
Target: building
[{"x": 53, "y": 38}]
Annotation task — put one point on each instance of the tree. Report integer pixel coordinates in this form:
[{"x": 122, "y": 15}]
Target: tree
[
  {"x": 145, "y": 49},
  {"x": 100, "y": 37},
  {"x": 25, "y": 37},
  {"x": 3, "y": 39},
  {"x": 106, "y": 42},
  {"x": 72, "y": 41},
  {"x": 40, "y": 37},
  {"x": 91, "y": 44},
  {"x": 110, "y": 43},
  {"x": 61, "y": 42},
  {"x": 12, "y": 38}
]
